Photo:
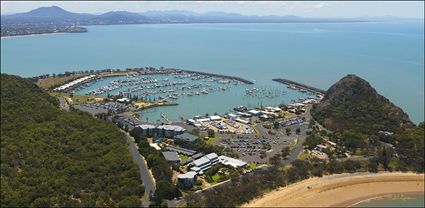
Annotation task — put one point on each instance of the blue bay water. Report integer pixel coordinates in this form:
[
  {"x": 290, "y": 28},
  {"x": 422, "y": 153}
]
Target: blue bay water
[{"x": 389, "y": 55}]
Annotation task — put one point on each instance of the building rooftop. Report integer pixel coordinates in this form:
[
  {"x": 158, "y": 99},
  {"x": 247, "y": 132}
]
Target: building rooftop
[
  {"x": 211, "y": 156},
  {"x": 171, "y": 156},
  {"x": 181, "y": 150},
  {"x": 187, "y": 137},
  {"x": 231, "y": 161},
  {"x": 201, "y": 161},
  {"x": 215, "y": 118},
  {"x": 190, "y": 174},
  {"x": 197, "y": 155},
  {"x": 146, "y": 126},
  {"x": 172, "y": 128}
]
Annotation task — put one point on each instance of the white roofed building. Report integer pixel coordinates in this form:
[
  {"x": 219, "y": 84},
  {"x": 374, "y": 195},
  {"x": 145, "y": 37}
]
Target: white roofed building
[{"x": 231, "y": 161}]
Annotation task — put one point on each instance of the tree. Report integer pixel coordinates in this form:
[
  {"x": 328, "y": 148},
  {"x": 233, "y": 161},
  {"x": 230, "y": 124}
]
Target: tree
[
  {"x": 275, "y": 160},
  {"x": 298, "y": 131},
  {"x": 211, "y": 133},
  {"x": 285, "y": 152},
  {"x": 288, "y": 131},
  {"x": 136, "y": 133},
  {"x": 263, "y": 154},
  {"x": 276, "y": 125}
]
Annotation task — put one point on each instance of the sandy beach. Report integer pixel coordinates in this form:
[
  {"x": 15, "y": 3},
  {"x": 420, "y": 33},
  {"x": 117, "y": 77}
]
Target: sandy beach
[{"x": 341, "y": 190}]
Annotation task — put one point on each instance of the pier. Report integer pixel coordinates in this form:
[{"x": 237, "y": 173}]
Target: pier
[{"x": 300, "y": 86}]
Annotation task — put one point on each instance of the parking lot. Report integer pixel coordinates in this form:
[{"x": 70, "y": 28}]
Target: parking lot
[
  {"x": 271, "y": 141},
  {"x": 111, "y": 107}
]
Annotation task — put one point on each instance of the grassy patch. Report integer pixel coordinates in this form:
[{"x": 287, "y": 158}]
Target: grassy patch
[
  {"x": 51, "y": 82},
  {"x": 251, "y": 165},
  {"x": 305, "y": 156},
  {"x": 77, "y": 99},
  {"x": 216, "y": 178},
  {"x": 211, "y": 140},
  {"x": 183, "y": 157}
]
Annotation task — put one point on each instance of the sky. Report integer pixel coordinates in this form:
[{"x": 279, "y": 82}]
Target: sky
[{"x": 407, "y": 9}]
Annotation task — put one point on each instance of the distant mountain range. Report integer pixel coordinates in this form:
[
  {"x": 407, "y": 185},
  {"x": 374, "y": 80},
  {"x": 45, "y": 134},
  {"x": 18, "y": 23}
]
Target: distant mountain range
[
  {"x": 55, "y": 14},
  {"x": 57, "y": 20}
]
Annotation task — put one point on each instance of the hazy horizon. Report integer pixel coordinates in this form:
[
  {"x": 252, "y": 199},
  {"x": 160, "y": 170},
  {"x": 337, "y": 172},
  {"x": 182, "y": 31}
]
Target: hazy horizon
[{"x": 315, "y": 9}]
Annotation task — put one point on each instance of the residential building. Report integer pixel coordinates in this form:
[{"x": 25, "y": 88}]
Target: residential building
[{"x": 187, "y": 179}]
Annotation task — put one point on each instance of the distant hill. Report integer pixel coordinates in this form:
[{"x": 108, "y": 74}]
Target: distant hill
[
  {"x": 45, "y": 15},
  {"x": 55, "y": 19},
  {"x": 53, "y": 11},
  {"x": 51, "y": 157},
  {"x": 353, "y": 104},
  {"x": 117, "y": 17},
  {"x": 57, "y": 14}
]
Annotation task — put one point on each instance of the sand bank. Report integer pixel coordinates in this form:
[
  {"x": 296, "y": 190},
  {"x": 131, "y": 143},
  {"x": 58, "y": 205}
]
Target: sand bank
[{"x": 341, "y": 190}]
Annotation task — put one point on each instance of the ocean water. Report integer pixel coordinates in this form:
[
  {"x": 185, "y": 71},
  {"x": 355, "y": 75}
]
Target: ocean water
[
  {"x": 389, "y": 55},
  {"x": 405, "y": 200}
]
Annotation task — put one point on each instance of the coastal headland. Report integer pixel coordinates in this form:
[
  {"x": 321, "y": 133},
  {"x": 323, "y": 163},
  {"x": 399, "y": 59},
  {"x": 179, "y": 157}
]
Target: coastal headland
[{"x": 341, "y": 190}]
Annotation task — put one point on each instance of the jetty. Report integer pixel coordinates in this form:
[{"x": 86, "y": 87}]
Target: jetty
[
  {"x": 217, "y": 75},
  {"x": 300, "y": 86}
]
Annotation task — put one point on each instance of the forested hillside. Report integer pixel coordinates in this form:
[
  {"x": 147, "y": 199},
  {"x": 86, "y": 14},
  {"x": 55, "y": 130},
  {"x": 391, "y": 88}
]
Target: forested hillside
[
  {"x": 366, "y": 123},
  {"x": 50, "y": 157},
  {"x": 353, "y": 104}
]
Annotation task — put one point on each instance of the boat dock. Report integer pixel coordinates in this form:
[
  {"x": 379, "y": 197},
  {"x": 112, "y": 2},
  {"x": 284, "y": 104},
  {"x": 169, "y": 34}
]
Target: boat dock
[{"x": 301, "y": 87}]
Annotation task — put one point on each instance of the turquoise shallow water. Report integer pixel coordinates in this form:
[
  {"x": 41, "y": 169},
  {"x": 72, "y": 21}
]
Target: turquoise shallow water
[
  {"x": 406, "y": 200},
  {"x": 389, "y": 55}
]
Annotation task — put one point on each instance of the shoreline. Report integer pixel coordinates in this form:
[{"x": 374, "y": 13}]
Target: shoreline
[
  {"x": 341, "y": 190},
  {"x": 383, "y": 196},
  {"x": 18, "y": 36}
]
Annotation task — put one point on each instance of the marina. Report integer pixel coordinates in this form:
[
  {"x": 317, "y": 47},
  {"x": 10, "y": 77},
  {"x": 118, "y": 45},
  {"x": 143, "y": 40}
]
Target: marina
[{"x": 187, "y": 93}]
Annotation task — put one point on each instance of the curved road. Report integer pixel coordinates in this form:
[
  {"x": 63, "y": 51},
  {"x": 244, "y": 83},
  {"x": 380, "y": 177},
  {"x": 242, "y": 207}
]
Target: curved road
[{"x": 145, "y": 175}]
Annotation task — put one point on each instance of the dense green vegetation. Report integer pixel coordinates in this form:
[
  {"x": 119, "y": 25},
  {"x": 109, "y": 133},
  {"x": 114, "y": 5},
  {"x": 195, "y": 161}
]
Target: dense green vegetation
[
  {"x": 357, "y": 113},
  {"x": 51, "y": 157},
  {"x": 352, "y": 104},
  {"x": 161, "y": 170}
]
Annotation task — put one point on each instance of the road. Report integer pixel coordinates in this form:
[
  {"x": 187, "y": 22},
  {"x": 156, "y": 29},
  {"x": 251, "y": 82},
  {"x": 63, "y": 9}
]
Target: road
[{"x": 145, "y": 175}]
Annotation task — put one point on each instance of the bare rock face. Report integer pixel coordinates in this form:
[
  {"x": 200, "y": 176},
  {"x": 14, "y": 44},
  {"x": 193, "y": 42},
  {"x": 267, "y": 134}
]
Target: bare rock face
[{"x": 352, "y": 103}]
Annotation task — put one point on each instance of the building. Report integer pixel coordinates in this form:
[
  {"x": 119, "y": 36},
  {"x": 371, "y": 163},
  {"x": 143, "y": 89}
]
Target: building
[
  {"x": 232, "y": 116},
  {"x": 181, "y": 150},
  {"x": 255, "y": 112},
  {"x": 187, "y": 179},
  {"x": 204, "y": 163},
  {"x": 171, "y": 156},
  {"x": 243, "y": 121},
  {"x": 231, "y": 161},
  {"x": 215, "y": 118},
  {"x": 213, "y": 158},
  {"x": 197, "y": 156},
  {"x": 169, "y": 131},
  {"x": 147, "y": 130},
  {"x": 186, "y": 137}
]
